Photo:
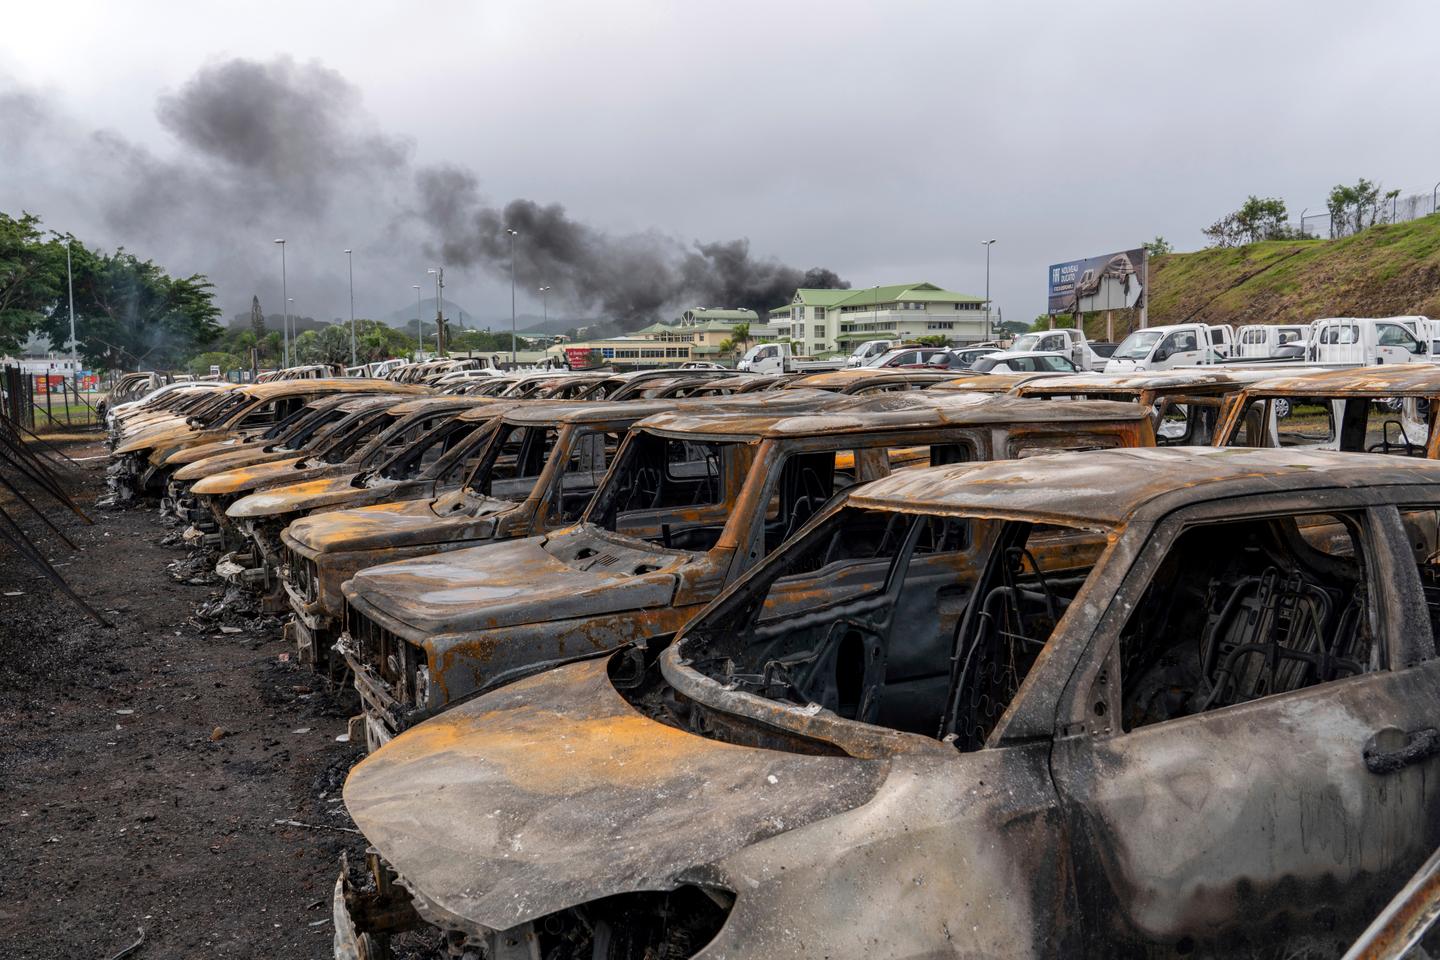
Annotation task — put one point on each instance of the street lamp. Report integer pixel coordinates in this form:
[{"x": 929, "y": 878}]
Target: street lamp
[
  {"x": 513, "y": 235},
  {"x": 285, "y": 300},
  {"x": 350, "y": 262},
  {"x": 439, "y": 273},
  {"x": 545, "y": 299},
  {"x": 987, "y": 244},
  {"x": 419, "y": 332}
]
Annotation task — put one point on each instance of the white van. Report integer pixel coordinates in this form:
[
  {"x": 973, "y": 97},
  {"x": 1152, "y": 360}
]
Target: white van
[{"x": 870, "y": 350}]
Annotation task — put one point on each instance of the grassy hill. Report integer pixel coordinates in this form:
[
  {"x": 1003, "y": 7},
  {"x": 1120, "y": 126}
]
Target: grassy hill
[{"x": 1383, "y": 271}]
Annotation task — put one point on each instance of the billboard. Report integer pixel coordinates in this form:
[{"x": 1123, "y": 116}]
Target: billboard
[{"x": 1113, "y": 281}]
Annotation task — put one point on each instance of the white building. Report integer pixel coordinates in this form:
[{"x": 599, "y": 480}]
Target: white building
[{"x": 831, "y": 321}]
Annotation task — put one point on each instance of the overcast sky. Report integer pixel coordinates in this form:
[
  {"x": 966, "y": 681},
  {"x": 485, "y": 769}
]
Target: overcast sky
[{"x": 881, "y": 141}]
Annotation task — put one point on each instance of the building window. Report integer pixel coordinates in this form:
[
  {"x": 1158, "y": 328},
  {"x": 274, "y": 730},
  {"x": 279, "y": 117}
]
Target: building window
[
  {"x": 819, "y": 313},
  {"x": 817, "y": 331}
]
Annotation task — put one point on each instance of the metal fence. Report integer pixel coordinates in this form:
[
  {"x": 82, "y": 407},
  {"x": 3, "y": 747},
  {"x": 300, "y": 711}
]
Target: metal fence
[
  {"x": 1397, "y": 209},
  {"x": 50, "y": 401}
]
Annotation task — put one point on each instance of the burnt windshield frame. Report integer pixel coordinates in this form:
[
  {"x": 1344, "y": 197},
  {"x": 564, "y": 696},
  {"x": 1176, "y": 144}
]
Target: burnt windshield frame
[
  {"x": 533, "y": 453},
  {"x": 606, "y": 506}
]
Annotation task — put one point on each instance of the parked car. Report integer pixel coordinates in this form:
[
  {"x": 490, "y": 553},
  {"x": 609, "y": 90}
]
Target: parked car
[
  {"x": 1024, "y": 362},
  {"x": 1057, "y": 707}
]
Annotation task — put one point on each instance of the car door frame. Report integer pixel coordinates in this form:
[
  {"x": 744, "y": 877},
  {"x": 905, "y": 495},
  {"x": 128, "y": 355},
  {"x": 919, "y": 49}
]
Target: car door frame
[{"x": 1089, "y": 746}]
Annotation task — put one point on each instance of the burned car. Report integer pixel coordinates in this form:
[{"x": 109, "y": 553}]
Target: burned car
[
  {"x": 537, "y": 474},
  {"x": 1068, "y": 706},
  {"x": 1384, "y": 409},
  {"x": 540, "y": 466},
  {"x": 1185, "y": 404},
  {"x": 863, "y": 380},
  {"x": 137, "y": 462},
  {"x": 427, "y": 443},
  {"x": 691, "y": 502}
]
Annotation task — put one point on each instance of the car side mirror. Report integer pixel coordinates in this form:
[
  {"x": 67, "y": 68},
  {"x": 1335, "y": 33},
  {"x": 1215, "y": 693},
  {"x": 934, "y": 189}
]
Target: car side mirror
[{"x": 1162, "y": 355}]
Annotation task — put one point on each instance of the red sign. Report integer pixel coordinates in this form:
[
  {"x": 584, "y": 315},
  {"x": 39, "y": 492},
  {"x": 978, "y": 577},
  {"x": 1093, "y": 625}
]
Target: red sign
[{"x": 582, "y": 358}]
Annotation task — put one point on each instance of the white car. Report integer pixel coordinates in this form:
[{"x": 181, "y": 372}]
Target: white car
[{"x": 1025, "y": 361}]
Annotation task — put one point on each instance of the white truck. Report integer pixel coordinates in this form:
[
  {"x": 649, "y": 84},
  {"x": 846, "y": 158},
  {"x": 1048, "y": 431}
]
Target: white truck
[
  {"x": 870, "y": 350},
  {"x": 1068, "y": 341},
  {"x": 1175, "y": 345},
  {"x": 1364, "y": 341},
  {"x": 777, "y": 358},
  {"x": 1259, "y": 341}
]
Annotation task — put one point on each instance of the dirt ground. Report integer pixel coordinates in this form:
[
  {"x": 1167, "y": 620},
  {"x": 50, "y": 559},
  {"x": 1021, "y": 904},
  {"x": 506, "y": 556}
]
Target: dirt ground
[{"x": 143, "y": 768}]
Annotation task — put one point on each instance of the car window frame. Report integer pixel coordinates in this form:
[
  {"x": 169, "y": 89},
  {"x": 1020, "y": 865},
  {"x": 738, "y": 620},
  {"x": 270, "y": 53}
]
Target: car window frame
[{"x": 1393, "y": 621}]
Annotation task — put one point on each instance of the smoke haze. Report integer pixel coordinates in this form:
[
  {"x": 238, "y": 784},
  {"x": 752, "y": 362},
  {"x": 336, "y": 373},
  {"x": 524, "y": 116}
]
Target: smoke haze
[{"x": 280, "y": 147}]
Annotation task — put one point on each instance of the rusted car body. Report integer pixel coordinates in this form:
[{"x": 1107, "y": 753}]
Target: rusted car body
[
  {"x": 691, "y": 503},
  {"x": 989, "y": 382},
  {"x": 863, "y": 380},
  {"x": 428, "y": 444},
  {"x": 304, "y": 430},
  {"x": 1186, "y": 404},
  {"x": 137, "y": 463},
  {"x": 371, "y": 432},
  {"x": 541, "y": 464},
  {"x": 1382, "y": 409},
  {"x": 1122, "y": 703}
]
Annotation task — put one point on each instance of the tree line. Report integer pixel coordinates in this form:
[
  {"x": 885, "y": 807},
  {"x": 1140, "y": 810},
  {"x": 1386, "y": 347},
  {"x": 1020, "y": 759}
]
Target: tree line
[
  {"x": 1351, "y": 208},
  {"x": 129, "y": 313}
]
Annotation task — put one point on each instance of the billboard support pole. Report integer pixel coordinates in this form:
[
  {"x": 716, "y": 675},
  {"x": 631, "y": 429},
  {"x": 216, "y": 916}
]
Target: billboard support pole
[
  {"x": 1145, "y": 291},
  {"x": 1110, "y": 326}
]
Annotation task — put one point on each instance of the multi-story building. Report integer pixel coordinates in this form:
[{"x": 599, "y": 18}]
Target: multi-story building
[{"x": 831, "y": 321}]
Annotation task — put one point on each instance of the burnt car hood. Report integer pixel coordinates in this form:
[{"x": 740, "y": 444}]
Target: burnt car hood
[
  {"x": 203, "y": 450},
  {"x": 321, "y": 491},
  {"x": 257, "y": 475},
  {"x": 403, "y": 523},
  {"x": 509, "y": 583},
  {"x": 554, "y": 791},
  {"x": 239, "y": 456},
  {"x": 158, "y": 438}
]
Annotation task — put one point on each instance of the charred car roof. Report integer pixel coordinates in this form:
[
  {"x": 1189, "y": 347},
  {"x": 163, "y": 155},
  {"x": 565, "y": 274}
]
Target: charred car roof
[
  {"x": 840, "y": 379},
  {"x": 892, "y": 411},
  {"x": 1220, "y": 380},
  {"x": 1109, "y": 488},
  {"x": 275, "y": 389},
  {"x": 1391, "y": 379}
]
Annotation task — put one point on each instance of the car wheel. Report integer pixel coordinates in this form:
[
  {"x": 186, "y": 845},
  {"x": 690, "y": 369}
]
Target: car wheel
[{"x": 1282, "y": 408}]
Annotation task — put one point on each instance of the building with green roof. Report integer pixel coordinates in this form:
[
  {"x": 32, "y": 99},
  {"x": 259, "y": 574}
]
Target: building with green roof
[{"x": 827, "y": 321}]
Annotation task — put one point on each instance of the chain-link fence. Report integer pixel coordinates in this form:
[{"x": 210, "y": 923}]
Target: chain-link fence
[
  {"x": 1394, "y": 207},
  {"x": 50, "y": 401}
]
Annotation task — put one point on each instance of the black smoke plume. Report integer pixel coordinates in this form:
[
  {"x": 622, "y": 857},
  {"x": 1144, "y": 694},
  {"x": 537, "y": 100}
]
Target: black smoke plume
[{"x": 282, "y": 148}]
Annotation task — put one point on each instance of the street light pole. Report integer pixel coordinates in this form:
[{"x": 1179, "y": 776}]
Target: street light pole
[
  {"x": 989, "y": 327},
  {"x": 350, "y": 262},
  {"x": 285, "y": 300},
  {"x": 440, "y": 340},
  {"x": 545, "y": 299},
  {"x": 513, "y": 235},
  {"x": 419, "y": 331}
]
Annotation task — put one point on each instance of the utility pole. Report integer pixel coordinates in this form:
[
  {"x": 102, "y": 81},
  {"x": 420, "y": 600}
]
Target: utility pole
[
  {"x": 545, "y": 299},
  {"x": 419, "y": 331},
  {"x": 350, "y": 262},
  {"x": 284, "y": 299},
  {"x": 513, "y": 235}
]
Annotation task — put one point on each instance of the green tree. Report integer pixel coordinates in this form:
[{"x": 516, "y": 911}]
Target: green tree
[
  {"x": 257, "y": 318},
  {"x": 1259, "y": 218},
  {"x": 130, "y": 313},
  {"x": 1356, "y": 208},
  {"x": 32, "y": 279},
  {"x": 740, "y": 333},
  {"x": 328, "y": 345},
  {"x": 1158, "y": 247},
  {"x": 933, "y": 340}
]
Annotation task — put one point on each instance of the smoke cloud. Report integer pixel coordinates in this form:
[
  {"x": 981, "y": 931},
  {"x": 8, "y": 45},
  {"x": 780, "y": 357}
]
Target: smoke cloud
[{"x": 283, "y": 147}]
